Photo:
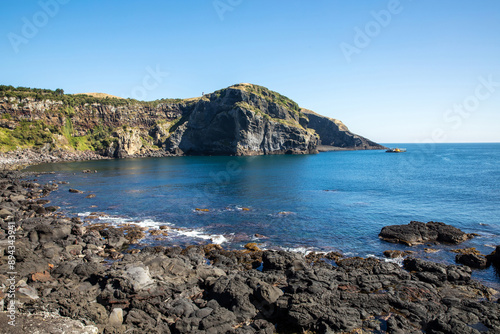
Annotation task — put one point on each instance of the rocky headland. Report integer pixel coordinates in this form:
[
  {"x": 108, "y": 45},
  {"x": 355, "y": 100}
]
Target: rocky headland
[
  {"x": 88, "y": 279},
  {"x": 243, "y": 119}
]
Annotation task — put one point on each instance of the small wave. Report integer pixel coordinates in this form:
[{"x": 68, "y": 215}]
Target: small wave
[
  {"x": 300, "y": 250},
  {"x": 214, "y": 238},
  {"x": 484, "y": 234},
  {"x": 282, "y": 214},
  {"x": 396, "y": 260},
  {"x": 152, "y": 224},
  {"x": 149, "y": 223}
]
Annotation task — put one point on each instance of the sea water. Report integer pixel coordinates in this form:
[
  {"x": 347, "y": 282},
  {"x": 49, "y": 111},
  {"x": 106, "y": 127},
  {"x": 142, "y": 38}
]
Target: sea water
[{"x": 332, "y": 201}]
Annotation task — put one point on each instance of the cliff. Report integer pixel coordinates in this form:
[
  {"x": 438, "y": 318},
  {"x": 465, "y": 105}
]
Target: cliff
[
  {"x": 334, "y": 133},
  {"x": 243, "y": 119}
]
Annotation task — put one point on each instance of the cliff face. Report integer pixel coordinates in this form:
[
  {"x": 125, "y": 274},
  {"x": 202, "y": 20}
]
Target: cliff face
[
  {"x": 240, "y": 121},
  {"x": 243, "y": 119},
  {"x": 334, "y": 133}
]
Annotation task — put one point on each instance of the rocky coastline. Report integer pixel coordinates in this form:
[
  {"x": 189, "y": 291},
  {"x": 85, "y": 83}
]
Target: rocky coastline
[
  {"x": 243, "y": 119},
  {"x": 19, "y": 159},
  {"x": 85, "y": 279}
]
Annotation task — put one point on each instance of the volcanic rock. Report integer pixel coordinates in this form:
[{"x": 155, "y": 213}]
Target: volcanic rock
[{"x": 418, "y": 233}]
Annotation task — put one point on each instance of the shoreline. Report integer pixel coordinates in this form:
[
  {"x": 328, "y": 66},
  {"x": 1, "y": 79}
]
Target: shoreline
[
  {"x": 328, "y": 148},
  {"x": 21, "y": 159},
  {"x": 207, "y": 289}
]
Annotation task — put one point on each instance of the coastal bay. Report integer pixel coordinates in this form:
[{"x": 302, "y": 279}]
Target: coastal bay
[{"x": 333, "y": 201}]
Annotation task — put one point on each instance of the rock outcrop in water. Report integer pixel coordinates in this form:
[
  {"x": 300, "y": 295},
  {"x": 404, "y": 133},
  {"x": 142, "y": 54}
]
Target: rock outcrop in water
[
  {"x": 418, "y": 233},
  {"x": 243, "y": 119}
]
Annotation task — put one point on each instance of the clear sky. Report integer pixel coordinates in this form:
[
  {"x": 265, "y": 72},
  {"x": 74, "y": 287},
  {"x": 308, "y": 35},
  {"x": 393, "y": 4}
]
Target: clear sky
[{"x": 393, "y": 71}]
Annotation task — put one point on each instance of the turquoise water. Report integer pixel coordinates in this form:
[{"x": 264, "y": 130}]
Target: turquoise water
[{"x": 329, "y": 201}]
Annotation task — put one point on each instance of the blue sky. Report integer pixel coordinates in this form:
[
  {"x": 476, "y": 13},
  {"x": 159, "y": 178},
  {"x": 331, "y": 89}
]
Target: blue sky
[{"x": 393, "y": 71}]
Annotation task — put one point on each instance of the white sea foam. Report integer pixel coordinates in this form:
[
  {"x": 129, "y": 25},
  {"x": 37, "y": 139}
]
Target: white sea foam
[
  {"x": 149, "y": 223},
  {"x": 214, "y": 238},
  {"x": 300, "y": 250},
  {"x": 152, "y": 224},
  {"x": 114, "y": 219},
  {"x": 397, "y": 260},
  {"x": 483, "y": 234}
]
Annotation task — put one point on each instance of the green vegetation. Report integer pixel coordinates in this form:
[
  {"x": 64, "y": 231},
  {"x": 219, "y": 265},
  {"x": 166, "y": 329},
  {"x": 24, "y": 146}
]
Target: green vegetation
[
  {"x": 27, "y": 134},
  {"x": 149, "y": 143},
  {"x": 67, "y": 129},
  {"x": 289, "y": 122},
  {"x": 37, "y": 133},
  {"x": 78, "y": 143},
  {"x": 177, "y": 122},
  {"x": 219, "y": 93},
  {"x": 81, "y": 143},
  {"x": 69, "y": 111},
  {"x": 271, "y": 96},
  {"x": 70, "y": 100},
  {"x": 247, "y": 106},
  {"x": 101, "y": 137},
  {"x": 7, "y": 142}
]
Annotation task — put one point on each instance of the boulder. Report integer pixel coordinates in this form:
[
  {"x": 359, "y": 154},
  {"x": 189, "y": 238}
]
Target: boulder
[
  {"x": 139, "y": 276},
  {"x": 281, "y": 260},
  {"x": 494, "y": 257},
  {"x": 232, "y": 292},
  {"x": 471, "y": 257},
  {"x": 47, "y": 233},
  {"x": 116, "y": 317},
  {"x": 4, "y": 213},
  {"x": 472, "y": 260},
  {"x": 268, "y": 293}
]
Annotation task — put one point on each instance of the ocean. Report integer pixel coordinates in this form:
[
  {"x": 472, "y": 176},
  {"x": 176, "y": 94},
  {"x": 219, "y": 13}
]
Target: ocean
[{"x": 332, "y": 201}]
